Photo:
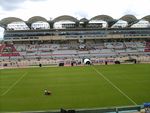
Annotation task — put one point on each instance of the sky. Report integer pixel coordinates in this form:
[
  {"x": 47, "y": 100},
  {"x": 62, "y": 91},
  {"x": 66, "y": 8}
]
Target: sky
[{"x": 51, "y": 9}]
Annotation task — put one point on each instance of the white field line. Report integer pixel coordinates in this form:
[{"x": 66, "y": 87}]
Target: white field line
[
  {"x": 114, "y": 86},
  {"x": 13, "y": 85}
]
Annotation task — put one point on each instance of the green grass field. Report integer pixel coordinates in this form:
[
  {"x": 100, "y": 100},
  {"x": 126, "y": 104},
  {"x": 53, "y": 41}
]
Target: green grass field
[{"x": 74, "y": 87}]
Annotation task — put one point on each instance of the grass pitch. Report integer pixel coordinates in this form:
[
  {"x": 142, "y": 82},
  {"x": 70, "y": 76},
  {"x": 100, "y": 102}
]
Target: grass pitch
[{"x": 74, "y": 87}]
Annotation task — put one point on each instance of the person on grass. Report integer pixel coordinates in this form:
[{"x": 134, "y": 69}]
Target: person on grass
[{"x": 47, "y": 92}]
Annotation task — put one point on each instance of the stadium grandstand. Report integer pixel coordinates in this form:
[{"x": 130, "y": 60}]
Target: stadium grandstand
[{"x": 66, "y": 38}]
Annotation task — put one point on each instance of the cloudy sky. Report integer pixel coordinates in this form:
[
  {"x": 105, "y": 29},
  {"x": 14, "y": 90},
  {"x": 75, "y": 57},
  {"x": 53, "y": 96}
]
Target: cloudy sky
[{"x": 25, "y": 9}]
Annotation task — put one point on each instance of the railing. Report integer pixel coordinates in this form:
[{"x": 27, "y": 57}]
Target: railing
[{"x": 127, "y": 109}]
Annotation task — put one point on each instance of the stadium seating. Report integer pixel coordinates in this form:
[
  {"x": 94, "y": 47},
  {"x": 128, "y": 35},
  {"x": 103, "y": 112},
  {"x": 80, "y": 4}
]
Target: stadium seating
[
  {"x": 147, "y": 47},
  {"x": 8, "y": 50},
  {"x": 89, "y": 49},
  {"x": 130, "y": 45}
]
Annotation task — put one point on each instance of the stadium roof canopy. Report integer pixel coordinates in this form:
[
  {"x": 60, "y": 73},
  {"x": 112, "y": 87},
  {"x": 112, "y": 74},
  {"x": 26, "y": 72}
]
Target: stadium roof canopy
[
  {"x": 110, "y": 21},
  {"x": 130, "y": 19},
  {"x": 102, "y": 17},
  {"x": 36, "y": 19},
  {"x": 84, "y": 20},
  {"x": 4, "y": 22},
  {"x": 65, "y": 17},
  {"x": 147, "y": 18}
]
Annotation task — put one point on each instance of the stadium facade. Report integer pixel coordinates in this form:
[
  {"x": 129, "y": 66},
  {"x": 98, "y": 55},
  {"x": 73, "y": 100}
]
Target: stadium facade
[{"x": 99, "y": 37}]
